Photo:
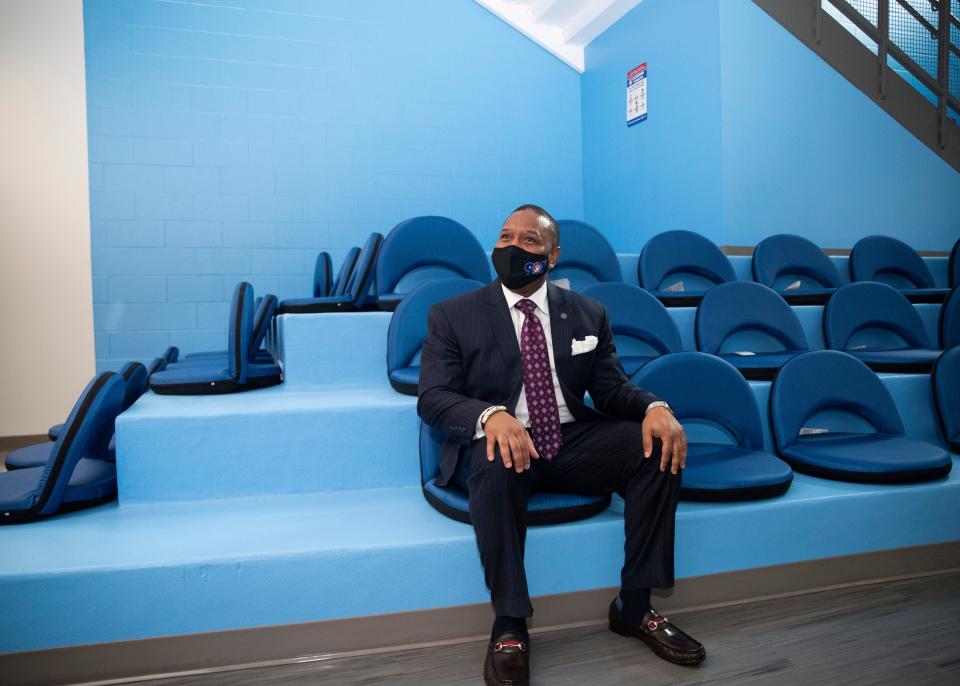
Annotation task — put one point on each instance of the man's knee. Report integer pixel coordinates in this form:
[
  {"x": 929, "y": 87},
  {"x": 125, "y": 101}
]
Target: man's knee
[{"x": 495, "y": 475}]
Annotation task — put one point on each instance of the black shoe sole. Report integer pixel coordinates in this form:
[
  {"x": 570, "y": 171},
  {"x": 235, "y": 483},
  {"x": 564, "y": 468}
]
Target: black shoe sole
[{"x": 620, "y": 626}]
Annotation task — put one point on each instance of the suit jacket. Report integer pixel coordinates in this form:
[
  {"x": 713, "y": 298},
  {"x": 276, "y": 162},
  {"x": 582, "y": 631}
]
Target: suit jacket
[{"x": 470, "y": 360}]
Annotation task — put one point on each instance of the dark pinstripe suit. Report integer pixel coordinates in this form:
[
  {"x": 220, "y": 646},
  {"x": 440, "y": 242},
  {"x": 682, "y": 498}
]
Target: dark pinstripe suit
[{"x": 471, "y": 360}]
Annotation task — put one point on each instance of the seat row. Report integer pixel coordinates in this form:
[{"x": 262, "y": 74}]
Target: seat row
[
  {"x": 747, "y": 324},
  {"x": 678, "y": 267}
]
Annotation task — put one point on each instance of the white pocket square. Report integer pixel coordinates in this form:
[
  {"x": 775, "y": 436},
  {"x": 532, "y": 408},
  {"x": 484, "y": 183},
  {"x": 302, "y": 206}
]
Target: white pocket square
[{"x": 586, "y": 345}]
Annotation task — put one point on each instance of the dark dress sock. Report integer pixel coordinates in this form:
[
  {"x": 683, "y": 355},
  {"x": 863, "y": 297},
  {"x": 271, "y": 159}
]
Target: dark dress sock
[
  {"x": 504, "y": 623},
  {"x": 635, "y": 603}
]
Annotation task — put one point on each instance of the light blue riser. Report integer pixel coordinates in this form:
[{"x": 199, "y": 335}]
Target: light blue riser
[{"x": 127, "y": 572}]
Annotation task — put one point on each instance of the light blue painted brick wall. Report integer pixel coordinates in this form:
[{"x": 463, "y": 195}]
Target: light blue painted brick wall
[{"x": 235, "y": 139}]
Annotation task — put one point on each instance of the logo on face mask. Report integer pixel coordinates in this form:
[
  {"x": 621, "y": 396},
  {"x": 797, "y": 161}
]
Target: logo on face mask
[{"x": 535, "y": 268}]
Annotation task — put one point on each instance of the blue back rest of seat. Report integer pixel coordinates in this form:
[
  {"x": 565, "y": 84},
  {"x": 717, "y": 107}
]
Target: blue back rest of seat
[
  {"x": 888, "y": 260},
  {"x": 322, "y": 273},
  {"x": 436, "y": 246},
  {"x": 953, "y": 265},
  {"x": 365, "y": 269},
  {"x": 156, "y": 365},
  {"x": 240, "y": 330},
  {"x": 135, "y": 377},
  {"x": 743, "y": 306},
  {"x": 171, "y": 354},
  {"x": 431, "y": 440},
  {"x": 346, "y": 271},
  {"x": 585, "y": 257},
  {"x": 681, "y": 251},
  {"x": 266, "y": 309},
  {"x": 946, "y": 390},
  {"x": 950, "y": 319},
  {"x": 635, "y": 313},
  {"x": 91, "y": 422},
  {"x": 704, "y": 387},
  {"x": 871, "y": 305},
  {"x": 788, "y": 256},
  {"x": 408, "y": 325},
  {"x": 828, "y": 380}
]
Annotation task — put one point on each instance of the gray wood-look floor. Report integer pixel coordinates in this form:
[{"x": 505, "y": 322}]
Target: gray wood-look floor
[{"x": 903, "y": 632}]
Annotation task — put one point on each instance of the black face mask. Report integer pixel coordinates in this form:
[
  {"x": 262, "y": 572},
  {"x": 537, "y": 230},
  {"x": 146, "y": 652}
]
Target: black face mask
[{"x": 518, "y": 268}]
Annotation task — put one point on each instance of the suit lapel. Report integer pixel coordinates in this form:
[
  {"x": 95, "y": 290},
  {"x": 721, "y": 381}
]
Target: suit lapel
[
  {"x": 502, "y": 329},
  {"x": 560, "y": 328}
]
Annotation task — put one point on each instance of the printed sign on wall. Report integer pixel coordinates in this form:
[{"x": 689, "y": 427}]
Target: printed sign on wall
[{"x": 637, "y": 95}]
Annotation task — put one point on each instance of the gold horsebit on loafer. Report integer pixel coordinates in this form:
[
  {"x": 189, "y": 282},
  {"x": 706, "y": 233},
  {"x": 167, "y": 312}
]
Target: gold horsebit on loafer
[
  {"x": 510, "y": 644},
  {"x": 655, "y": 622}
]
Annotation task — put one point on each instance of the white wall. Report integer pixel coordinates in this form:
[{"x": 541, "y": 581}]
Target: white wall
[{"x": 46, "y": 310}]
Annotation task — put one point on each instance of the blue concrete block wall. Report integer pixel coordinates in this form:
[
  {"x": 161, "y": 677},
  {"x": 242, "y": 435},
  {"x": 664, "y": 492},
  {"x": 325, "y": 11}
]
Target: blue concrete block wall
[
  {"x": 749, "y": 133},
  {"x": 234, "y": 140}
]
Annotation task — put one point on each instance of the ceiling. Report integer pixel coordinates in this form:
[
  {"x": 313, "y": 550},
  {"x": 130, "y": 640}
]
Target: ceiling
[{"x": 564, "y": 27}]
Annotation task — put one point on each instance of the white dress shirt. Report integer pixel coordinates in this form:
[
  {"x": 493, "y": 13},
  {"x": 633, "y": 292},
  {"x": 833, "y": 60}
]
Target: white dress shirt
[{"x": 539, "y": 298}]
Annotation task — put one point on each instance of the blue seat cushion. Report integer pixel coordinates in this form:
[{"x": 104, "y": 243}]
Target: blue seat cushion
[
  {"x": 631, "y": 363},
  {"x": 389, "y": 301},
  {"x": 904, "y": 361},
  {"x": 53, "y": 433},
  {"x": 761, "y": 365},
  {"x": 716, "y": 471},
  {"x": 262, "y": 374},
  {"x": 871, "y": 457},
  {"x": 542, "y": 508},
  {"x": 35, "y": 455},
  {"x": 333, "y": 303},
  {"x": 926, "y": 295},
  {"x": 406, "y": 379},
  {"x": 194, "y": 380},
  {"x": 92, "y": 482}
]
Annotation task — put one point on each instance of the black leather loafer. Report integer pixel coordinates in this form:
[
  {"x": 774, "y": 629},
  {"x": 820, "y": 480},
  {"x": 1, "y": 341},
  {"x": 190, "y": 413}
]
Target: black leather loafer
[
  {"x": 658, "y": 632},
  {"x": 508, "y": 661}
]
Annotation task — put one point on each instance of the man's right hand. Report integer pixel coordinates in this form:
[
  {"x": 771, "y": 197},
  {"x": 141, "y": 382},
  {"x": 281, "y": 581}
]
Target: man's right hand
[{"x": 516, "y": 446}]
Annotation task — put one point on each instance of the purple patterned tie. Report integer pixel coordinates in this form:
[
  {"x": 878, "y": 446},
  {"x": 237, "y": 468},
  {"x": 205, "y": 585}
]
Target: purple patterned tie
[{"x": 538, "y": 384}]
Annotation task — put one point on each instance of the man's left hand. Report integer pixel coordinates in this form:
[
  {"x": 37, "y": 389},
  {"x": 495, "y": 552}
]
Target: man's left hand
[{"x": 660, "y": 423}]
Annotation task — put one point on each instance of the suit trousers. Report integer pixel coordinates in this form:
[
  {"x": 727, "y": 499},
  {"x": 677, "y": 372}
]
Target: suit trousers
[{"x": 597, "y": 457}]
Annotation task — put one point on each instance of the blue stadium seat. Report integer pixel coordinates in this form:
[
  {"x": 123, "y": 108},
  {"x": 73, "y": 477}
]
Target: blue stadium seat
[
  {"x": 860, "y": 437},
  {"x": 893, "y": 262},
  {"x": 156, "y": 365},
  {"x": 878, "y": 325},
  {"x": 425, "y": 248},
  {"x": 265, "y": 310},
  {"x": 796, "y": 268},
  {"x": 323, "y": 276},
  {"x": 704, "y": 389},
  {"x": 950, "y": 319},
  {"x": 408, "y": 329},
  {"x": 680, "y": 266},
  {"x": 237, "y": 373},
  {"x": 585, "y": 257},
  {"x": 354, "y": 296},
  {"x": 452, "y": 501},
  {"x": 134, "y": 376},
  {"x": 945, "y": 381},
  {"x": 953, "y": 265},
  {"x": 69, "y": 480},
  {"x": 750, "y": 326},
  {"x": 340, "y": 284},
  {"x": 171, "y": 354},
  {"x": 642, "y": 327}
]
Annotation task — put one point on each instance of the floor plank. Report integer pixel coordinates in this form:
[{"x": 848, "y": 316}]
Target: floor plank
[{"x": 891, "y": 633}]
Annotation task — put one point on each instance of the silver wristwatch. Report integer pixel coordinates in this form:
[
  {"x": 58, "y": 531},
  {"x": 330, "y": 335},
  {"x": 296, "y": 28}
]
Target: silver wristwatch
[
  {"x": 657, "y": 403},
  {"x": 487, "y": 413}
]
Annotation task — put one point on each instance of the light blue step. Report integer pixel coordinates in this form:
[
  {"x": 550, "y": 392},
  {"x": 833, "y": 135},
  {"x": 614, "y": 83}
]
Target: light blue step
[{"x": 136, "y": 571}]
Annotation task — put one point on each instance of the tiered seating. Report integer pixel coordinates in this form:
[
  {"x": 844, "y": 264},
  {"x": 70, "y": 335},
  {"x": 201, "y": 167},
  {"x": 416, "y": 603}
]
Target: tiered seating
[
  {"x": 750, "y": 326},
  {"x": 425, "y": 248},
  {"x": 356, "y": 293},
  {"x": 879, "y": 326},
  {"x": 68, "y": 480},
  {"x": 236, "y": 372},
  {"x": 891, "y": 261},
  {"x": 702, "y": 388},
  {"x": 408, "y": 329},
  {"x": 950, "y": 320},
  {"x": 945, "y": 381},
  {"x": 323, "y": 276},
  {"x": 642, "y": 327},
  {"x": 266, "y": 309},
  {"x": 679, "y": 267},
  {"x": 585, "y": 258},
  {"x": 452, "y": 501},
  {"x": 796, "y": 268},
  {"x": 874, "y": 449},
  {"x": 134, "y": 375}
]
